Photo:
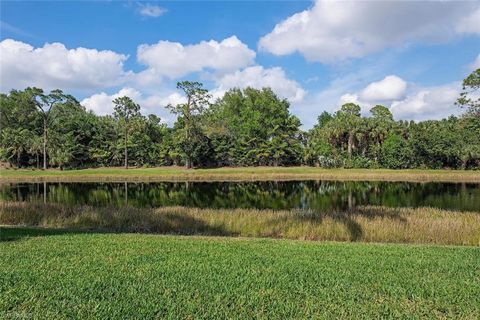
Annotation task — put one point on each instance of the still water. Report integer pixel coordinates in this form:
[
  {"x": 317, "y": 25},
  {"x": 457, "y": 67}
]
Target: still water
[{"x": 316, "y": 195}]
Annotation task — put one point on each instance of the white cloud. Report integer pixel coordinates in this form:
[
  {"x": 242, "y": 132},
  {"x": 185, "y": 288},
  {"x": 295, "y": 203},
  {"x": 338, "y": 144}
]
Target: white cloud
[
  {"x": 428, "y": 103},
  {"x": 151, "y": 10},
  {"x": 172, "y": 59},
  {"x": 102, "y": 103},
  {"x": 260, "y": 77},
  {"x": 419, "y": 103},
  {"x": 55, "y": 66},
  {"x": 349, "y": 98},
  {"x": 337, "y": 30},
  {"x": 390, "y": 88},
  {"x": 470, "y": 23}
]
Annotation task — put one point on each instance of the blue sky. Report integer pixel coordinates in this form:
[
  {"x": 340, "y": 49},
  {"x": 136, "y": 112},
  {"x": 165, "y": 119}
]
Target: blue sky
[{"x": 409, "y": 56}]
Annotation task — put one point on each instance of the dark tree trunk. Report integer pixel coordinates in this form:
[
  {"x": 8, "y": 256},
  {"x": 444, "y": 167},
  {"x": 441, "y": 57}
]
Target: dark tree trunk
[
  {"x": 126, "y": 150},
  {"x": 44, "y": 143},
  {"x": 188, "y": 160},
  {"x": 333, "y": 142}
]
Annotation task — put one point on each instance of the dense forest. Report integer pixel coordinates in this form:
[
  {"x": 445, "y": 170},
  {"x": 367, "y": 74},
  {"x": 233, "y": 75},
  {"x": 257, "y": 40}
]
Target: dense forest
[{"x": 247, "y": 127}]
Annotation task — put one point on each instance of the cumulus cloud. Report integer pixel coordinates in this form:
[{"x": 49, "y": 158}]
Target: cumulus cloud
[
  {"x": 419, "y": 103},
  {"x": 55, "y": 66},
  {"x": 350, "y": 98},
  {"x": 102, "y": 103},
  {"x": 390, "y": 88},
  {"x": 336, "y": 30},
  {"x": 260, "y": 77},
  {"x": 172, "y": 59},
  {"x": 151, "y": 10},
  {"x": 428, "y": 103}
]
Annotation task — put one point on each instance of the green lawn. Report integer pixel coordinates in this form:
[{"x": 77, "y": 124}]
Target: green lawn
[
  {"x": 247, "y": 173},
  {"x": 58, "y": 275}
]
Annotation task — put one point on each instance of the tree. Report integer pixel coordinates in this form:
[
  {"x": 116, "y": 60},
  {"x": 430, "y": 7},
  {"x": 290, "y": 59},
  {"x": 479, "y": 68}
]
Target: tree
[
  {"x": 349, "y": 119},
  {"x": 469, "y": 98},
  {"x": 381, "y": 124},
  {"x": 318, "y": 144},
  {"x": 253, "y": 127},
  {"x": 45, "y": 103},
  {"x": 197, "y": 101},
  {"x": 36, "y": 147},
  {"x": 61, "y": 157},
  {"x": 125, "y": 110},
  {"x": 245, "y": 127},
  {"x": 323, "y": 119},
  {"x": 15, "y": 144},
  {"x": 18, "y": 125},
  {"x": 395, "y": 153}
]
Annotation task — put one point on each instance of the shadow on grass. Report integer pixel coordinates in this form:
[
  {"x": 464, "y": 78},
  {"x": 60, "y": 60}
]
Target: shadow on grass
[
  {"x": 13, "y": 233},
  {"x": 347, "y": 218},
  {"x": 171, "y": 224},
  {"x": 184, "y": 221},
  {"x": 355, "y": 229}
]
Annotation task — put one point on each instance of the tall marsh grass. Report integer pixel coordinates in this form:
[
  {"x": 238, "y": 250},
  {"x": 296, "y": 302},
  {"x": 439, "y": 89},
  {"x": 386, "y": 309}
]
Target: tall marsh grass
[{"x": 367, "y": 224}]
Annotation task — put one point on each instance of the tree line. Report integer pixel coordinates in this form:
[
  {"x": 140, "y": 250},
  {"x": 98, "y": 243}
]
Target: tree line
[{"x": 249, "y": 127}]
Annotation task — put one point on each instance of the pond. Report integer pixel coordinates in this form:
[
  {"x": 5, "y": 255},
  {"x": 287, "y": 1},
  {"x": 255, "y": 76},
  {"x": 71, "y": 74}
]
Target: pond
[{"x": 315, "y": 195}]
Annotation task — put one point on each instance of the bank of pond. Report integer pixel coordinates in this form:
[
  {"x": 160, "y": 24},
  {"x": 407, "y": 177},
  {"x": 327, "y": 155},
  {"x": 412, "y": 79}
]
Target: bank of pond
[{"x": 400, "y": 212}]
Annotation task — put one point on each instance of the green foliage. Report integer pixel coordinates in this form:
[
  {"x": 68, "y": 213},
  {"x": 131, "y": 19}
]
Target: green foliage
[
  {"x": 254, "y": 127},
  {"x": 126, "y": 111},
  {"x": 469, "y": 97},
  {"x": 190, "y": 139},
  {"x": 249, "y": 127},
  {"x": 395, "y": 153}
]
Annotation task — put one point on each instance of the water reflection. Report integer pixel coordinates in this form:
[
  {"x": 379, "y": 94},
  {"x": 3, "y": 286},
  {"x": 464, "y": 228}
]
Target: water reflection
[{"x": 316, "y": 195}]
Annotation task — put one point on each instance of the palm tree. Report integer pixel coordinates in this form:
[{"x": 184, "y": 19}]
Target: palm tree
[
  {"x": 349, "y": 117},
  {"x": 381, "y": 124},
  {"x": 35, "y": 146}
]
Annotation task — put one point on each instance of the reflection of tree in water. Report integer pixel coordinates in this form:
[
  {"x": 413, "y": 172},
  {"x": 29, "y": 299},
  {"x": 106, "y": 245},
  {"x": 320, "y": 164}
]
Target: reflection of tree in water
[{"x": 315, "y": 195}]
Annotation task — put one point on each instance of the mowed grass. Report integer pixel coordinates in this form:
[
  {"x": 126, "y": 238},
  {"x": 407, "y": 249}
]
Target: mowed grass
[
  {"x": 367, "y": 224},
  {"x": 234, "y": 174},
  {"x": 104, "y": 276}
]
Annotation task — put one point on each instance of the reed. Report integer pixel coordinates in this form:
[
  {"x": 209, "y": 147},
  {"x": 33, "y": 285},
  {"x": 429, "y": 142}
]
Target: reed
[
  {"x": 234, "y": 174},
  {"x": 366, "y": 224}
]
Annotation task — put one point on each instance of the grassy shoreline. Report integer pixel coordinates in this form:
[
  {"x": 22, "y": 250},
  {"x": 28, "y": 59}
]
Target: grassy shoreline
[
  {"x": 362, "y": 224},
  {"x": 103, "y": 275},
  {"x": 234, "y": 174}
]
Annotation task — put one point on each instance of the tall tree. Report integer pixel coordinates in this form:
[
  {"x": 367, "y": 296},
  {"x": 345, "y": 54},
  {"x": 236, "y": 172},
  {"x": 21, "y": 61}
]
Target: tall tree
[
  {"x": 45, "y": 103},
  {"x": 125, "y": 110},
  {"x": 349, "y": 118},
  {"x": 381, "y": 123},
  {"x": 197, "y": 101},
  {"x": 469, "y": 97},
  {"x": 254, "y": 127}
]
